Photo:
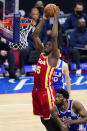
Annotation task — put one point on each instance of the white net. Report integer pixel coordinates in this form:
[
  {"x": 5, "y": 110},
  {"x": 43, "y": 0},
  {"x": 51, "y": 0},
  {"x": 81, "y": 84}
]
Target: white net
[{"x": 23, "y": 43}]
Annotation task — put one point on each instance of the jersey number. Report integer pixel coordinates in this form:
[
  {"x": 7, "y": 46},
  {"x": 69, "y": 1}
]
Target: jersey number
[{"x": 38, "y": 69}]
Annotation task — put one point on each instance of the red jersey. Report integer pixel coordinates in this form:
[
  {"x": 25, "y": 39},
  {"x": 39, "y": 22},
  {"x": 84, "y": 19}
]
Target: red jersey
[
  {"x": 43, "y": 78},
  {"x": 43, "y": 73}
]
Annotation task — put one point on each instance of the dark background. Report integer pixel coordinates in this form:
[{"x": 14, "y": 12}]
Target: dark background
[{"x": 65, "y": 5}]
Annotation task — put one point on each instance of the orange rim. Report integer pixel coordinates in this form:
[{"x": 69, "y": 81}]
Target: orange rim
[
  {"x": 25, "y": 24},
  {"x": 8, "y": 22}
]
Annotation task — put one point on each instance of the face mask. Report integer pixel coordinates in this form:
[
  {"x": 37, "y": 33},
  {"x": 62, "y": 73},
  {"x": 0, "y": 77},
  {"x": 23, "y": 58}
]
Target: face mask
[
  {"x": 78, "y": 12},
  {"x": 81, "y": 28}
]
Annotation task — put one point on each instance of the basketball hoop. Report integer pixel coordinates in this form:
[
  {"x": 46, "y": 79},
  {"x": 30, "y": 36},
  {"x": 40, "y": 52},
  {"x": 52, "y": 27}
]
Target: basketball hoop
[{"x": 25, "y": 27}]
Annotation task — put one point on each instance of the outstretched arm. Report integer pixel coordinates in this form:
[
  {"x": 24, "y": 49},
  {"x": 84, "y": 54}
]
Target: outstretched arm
[
  {"x": 55, "y": 115},
  {"x": 37, "y": 41},
  {"x": 54, "y": 34},
  {"x": 79, "y": 109}
]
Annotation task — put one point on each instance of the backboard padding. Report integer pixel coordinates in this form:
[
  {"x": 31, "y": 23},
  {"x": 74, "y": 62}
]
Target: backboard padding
[{"x": 9, "y": 9}]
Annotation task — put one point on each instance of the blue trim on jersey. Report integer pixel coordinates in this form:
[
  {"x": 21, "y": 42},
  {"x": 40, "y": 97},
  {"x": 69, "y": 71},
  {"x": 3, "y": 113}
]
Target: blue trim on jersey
[
  {"x": 58, "y": 77},
  {"x": 71, "y": 115}
]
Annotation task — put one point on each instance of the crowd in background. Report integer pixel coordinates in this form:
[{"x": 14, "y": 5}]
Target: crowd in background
[{"x": 72, "y": 34}]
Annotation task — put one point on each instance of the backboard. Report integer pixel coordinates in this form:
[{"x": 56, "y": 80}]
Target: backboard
[{"x": 10, "y": 20}]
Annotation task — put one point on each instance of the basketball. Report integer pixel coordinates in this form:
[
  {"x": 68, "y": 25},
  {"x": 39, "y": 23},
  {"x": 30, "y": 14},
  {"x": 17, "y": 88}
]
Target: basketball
[{"x": 49, "y": 10}]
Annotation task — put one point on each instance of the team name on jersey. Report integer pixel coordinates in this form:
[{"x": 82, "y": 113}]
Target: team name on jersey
[
  {"x": 57, "y": 74},
  {"x": 42, "y": 62}
]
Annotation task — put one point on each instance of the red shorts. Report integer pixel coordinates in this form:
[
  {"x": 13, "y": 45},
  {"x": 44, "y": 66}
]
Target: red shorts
[{"x": 41, "y": 103}]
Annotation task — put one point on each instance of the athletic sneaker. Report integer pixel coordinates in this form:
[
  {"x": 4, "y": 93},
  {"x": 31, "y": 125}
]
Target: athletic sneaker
[
  {"x": 13, "y": 76},
  {"x": 78, "y": 72},
  {"x": 22, "y": 72}
]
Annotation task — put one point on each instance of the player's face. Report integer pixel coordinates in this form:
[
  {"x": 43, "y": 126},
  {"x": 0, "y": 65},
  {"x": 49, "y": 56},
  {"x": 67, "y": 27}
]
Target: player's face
[
  {"x": 48, "y": 47},
  {"x": 59, "y": 99}
]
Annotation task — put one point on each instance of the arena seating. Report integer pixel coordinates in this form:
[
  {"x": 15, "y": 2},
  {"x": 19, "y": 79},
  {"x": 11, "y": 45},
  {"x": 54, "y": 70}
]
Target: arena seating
[{"x": 83, "y": 57}]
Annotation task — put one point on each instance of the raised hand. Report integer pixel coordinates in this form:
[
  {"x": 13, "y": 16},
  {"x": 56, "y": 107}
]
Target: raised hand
[
  {"x": 68, "y": 121},
  {"x": 57, "y": 11}
]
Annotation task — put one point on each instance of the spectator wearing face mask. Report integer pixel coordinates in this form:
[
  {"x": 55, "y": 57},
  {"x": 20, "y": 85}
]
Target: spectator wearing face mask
[
  {"x": 78, "y": 43},
  {"x": 72, "y": 19}
]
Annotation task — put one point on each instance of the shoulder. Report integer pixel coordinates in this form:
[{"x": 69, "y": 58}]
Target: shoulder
[
  {"x": 71, "y": 16},
  {"x": 75, "y": 102},
  {"x": 65, "y": 65},
  {"x": 76, "y": 105}
]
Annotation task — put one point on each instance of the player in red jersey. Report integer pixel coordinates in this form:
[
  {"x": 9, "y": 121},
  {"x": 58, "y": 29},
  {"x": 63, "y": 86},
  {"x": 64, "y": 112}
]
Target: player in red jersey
[{"x": 43, "y": 94}]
